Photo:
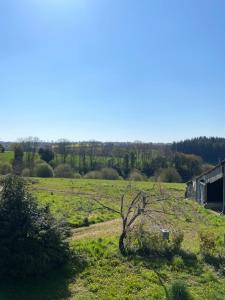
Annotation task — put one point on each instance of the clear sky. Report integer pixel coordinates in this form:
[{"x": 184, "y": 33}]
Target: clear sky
[{"x": 112, "y": 70}]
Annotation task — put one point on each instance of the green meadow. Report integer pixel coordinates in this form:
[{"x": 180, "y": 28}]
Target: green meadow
[{"x": 98, "y": 271}]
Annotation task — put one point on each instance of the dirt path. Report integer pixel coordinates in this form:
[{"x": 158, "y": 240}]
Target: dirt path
[{"x": 98, "y": 230}]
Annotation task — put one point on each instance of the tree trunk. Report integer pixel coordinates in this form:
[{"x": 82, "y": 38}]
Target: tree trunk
[{"x": 121, "y": 244}]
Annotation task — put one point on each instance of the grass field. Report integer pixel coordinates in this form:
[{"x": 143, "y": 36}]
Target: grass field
[
  {"x": 6, "y": 156},
  {"x": 72, "y": 199},
  {"x": 103, "y": 273}
]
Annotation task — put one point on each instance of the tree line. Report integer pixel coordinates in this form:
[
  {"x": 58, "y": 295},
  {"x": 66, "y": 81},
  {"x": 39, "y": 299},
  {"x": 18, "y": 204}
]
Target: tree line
[
  {"x": 212, "y": 150},
  {"x": 137, "y": 161}
]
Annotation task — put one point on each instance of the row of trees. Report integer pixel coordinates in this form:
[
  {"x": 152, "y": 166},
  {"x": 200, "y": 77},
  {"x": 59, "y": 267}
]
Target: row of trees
[
  {"x": 212, "y": 150},
  {"x": 148, "y": 160}
]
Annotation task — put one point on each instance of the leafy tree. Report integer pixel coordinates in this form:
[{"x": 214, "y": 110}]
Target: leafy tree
[
  {"x": 159, "y": 162},
  {"x": 62, "y": 149},
  {"x": 169, "y": 175},
  {"x": 187, "y": 165},
  {"x": 132, "y": 160},
  {"x": 126, "y": 168},
  {"x": 46, "y": 154},
  {"x": 30, "y": 146},
  {"x": 31, "y": 241},
  {"x": 2, "y": 149},
  {"x": 18, "y": 159},
  {"x": 212, "y": 149}
]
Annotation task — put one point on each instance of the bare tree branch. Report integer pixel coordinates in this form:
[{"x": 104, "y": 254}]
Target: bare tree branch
[{"x": 105, "y": 206}]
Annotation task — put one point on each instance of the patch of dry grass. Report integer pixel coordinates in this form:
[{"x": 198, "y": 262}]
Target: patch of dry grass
[{"x": 104, "y": 229}]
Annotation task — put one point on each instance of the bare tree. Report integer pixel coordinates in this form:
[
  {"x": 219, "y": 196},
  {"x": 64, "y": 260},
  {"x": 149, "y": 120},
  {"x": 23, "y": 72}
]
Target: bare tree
[{"x": 139, "y": 204}]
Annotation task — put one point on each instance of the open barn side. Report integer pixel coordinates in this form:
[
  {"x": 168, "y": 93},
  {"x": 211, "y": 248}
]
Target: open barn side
[{"x": 209, "y": 188}]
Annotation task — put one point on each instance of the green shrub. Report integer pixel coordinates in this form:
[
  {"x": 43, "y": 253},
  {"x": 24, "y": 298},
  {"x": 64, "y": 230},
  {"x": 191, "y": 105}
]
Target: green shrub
[
  {"x": 53, "y": 164},
  {"x": 39, "y": 161},
  {"x": 63, "y": 171},
  {"x": 169, "y": 175},
  {"x": 136, "y": 175},
  {"x": 147, "y": 242},
  {"x": 26, "y": 172},
  {"x": 93, "y": 175},
  {"x": 43, "y": 170},
  {"x": 176, "y": 241},
  {"x": 178, "y": 263},
  {"x": 179, "y": 291},
  {"x": 5, "y": 168},
  {"x": 31, "y": 241},
  {"x": 110, "y": 173},
  {"x": 105, "y": 173},
  {"x": 77, "y": 175},
  {"x": 207, "y": 243},
  {"x": 86, "y": 222}
]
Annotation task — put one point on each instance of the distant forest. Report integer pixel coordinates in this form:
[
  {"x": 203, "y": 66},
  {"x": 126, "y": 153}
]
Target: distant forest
[
  {"x": 177, "y": 162},
  {"x": 212, "y": 150}
]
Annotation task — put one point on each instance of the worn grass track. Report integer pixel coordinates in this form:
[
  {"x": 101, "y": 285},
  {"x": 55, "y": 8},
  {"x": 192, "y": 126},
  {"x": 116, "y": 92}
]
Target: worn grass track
[{"x": 104, "y": 229}]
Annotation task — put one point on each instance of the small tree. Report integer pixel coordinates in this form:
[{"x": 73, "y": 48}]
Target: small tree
[
  {"x": 132, "y": 206},
  {"x": 31, "y": 240}
]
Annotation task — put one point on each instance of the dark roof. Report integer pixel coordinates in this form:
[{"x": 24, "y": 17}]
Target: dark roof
[
  {"x": 214, "y": 168},
  {"x": 222, "y": 163}
]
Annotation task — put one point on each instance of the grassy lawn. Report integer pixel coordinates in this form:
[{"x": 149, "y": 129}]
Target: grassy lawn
[{"x": 103, "y": 273}]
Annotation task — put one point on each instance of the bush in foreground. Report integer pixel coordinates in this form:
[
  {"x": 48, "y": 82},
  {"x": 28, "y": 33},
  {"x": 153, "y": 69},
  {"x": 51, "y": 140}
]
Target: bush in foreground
[
  {"x": 31, "y": 241},
  {"x": 179, "y": 291}
]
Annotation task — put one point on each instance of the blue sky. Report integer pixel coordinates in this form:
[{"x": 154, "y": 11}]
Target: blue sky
[{"x": 112, "y": 70}]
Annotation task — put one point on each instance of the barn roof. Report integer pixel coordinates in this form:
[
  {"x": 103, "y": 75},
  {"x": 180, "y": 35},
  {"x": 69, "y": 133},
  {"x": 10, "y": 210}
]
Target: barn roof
[{"x": 222, "y": 163}]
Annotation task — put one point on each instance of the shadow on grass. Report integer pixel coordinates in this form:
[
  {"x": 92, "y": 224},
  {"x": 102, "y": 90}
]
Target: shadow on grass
[
  {"x": 53, "y": 286},
  {"x": 191, "y": 265},
  {"x": 217, "y": 262}
]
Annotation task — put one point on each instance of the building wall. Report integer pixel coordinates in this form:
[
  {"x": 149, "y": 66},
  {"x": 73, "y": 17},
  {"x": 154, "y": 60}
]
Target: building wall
[{"x": 197, "y": 189}]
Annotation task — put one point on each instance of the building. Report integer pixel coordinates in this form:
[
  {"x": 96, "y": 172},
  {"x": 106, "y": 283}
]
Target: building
[{"x": 209, "y": 188}]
